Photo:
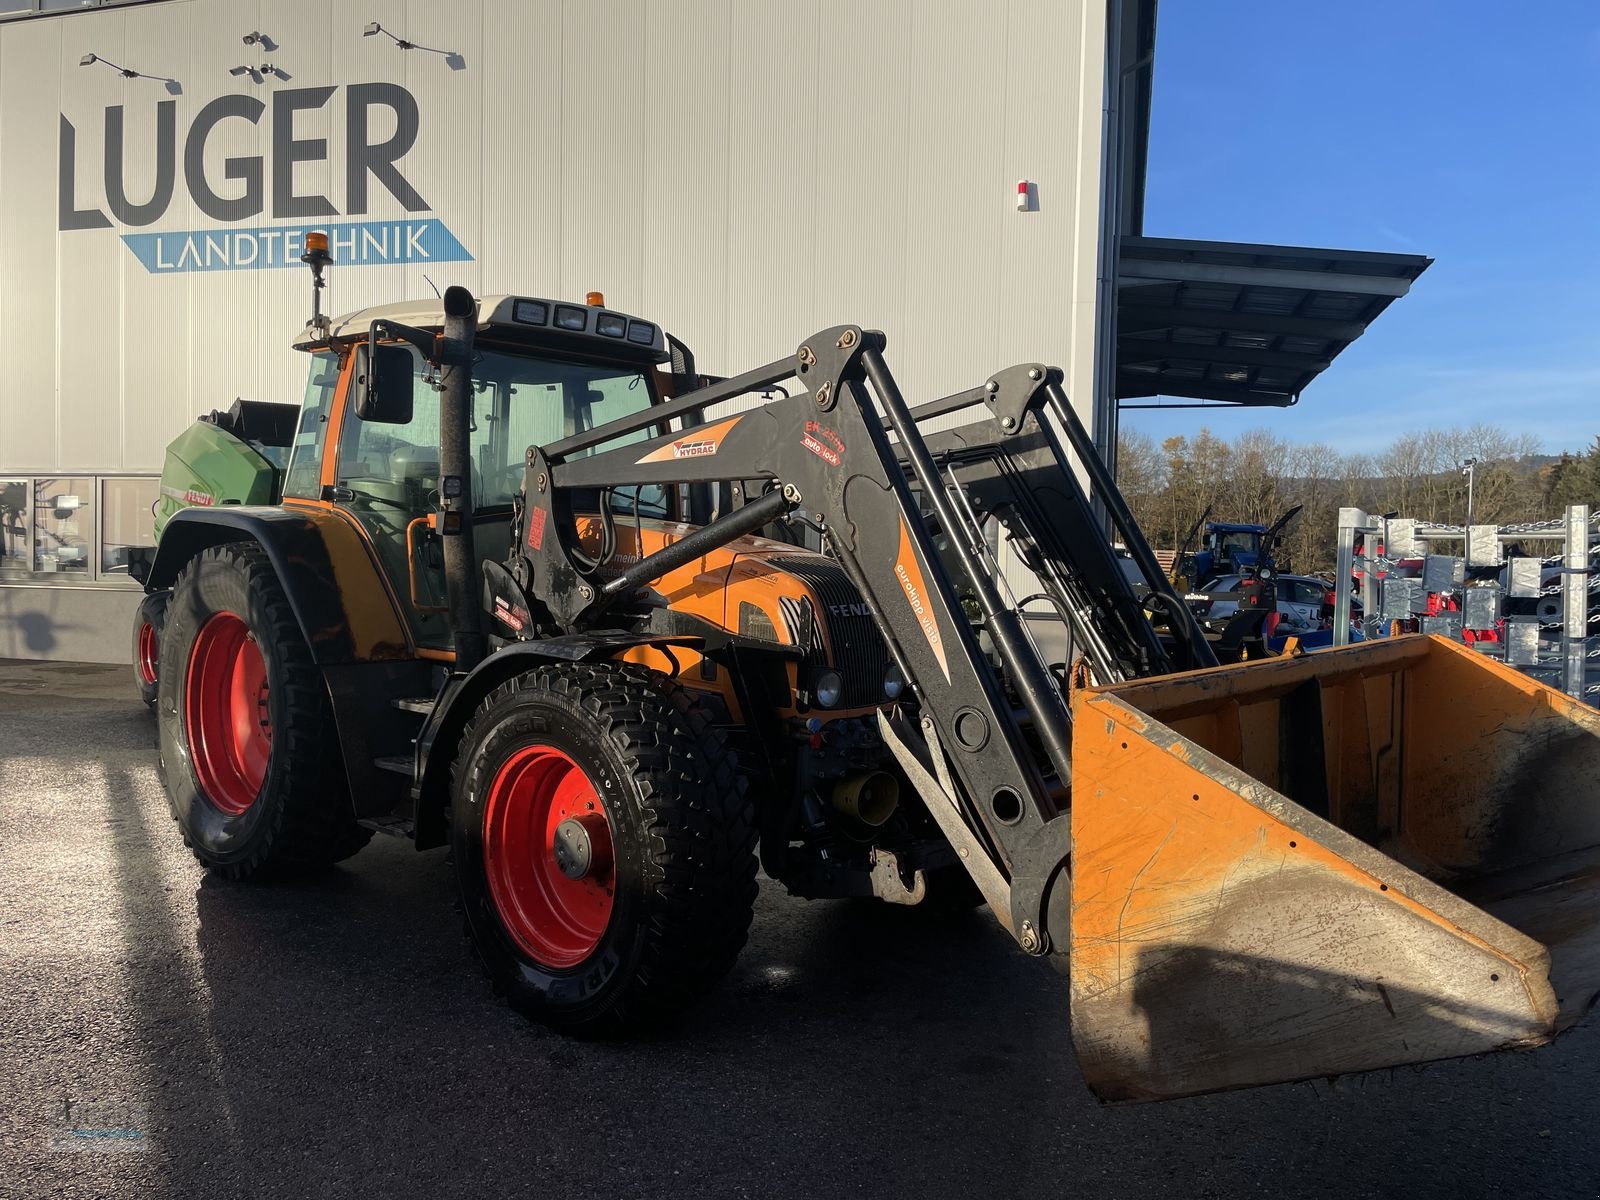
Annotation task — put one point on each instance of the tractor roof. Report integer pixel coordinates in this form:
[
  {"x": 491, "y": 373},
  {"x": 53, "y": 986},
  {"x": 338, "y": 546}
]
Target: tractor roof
[{"x": 528, "y": 319}]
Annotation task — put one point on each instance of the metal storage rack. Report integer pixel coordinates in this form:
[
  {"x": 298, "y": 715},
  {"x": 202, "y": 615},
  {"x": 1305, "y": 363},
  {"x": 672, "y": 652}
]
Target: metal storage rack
[{"x": 1543, "y": 612}]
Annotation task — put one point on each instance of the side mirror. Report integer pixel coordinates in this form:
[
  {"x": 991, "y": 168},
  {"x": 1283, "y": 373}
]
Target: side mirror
[{"x": 383, "y": 384}]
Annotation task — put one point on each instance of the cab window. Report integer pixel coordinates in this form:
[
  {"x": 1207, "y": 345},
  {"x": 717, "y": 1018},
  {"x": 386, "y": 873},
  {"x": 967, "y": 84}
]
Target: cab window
[
  {"x": 304, "y": 476},
  {"x": 517, "y": 402},
  {"x": 549, "y": 401}
]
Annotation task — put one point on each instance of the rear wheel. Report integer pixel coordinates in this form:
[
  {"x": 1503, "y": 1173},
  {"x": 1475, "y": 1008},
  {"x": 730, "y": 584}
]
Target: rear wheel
[
  {"x": 147, "y": 623},
  {"x": 248, "y": 749},
  {"x": 603, "y": 844}
]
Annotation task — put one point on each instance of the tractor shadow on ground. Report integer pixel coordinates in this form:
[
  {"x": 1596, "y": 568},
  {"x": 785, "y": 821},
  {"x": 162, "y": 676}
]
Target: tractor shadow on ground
[
  {"x": 350, "y": 998},
  {"x": 855, "y": 1046}
]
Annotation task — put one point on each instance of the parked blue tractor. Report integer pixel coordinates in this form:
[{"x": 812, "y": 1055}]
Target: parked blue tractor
[{"x": 1229, "y": 548}]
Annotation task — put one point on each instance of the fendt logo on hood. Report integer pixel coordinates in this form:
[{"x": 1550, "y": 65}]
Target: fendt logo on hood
[{"x": 253, "y": 186}]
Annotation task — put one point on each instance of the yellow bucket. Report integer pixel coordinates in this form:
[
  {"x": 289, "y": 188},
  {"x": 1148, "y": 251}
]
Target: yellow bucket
[{"x": 1383, "y": 854}]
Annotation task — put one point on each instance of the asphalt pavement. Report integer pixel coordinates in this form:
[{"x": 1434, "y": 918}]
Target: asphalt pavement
[{"x": 163, "y": 1033}]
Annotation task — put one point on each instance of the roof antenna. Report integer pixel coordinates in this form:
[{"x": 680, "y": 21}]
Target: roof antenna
[{"x": 433, "y": 285}]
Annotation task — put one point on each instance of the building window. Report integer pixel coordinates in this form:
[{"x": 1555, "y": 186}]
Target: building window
[
  {"x": 127, "y": 524},
  {"x": 16, "y": 547},
  {"x": 77, "y": 529},
  {"x": 63, "y": 526},
  {"x": 34, "y": 8}
]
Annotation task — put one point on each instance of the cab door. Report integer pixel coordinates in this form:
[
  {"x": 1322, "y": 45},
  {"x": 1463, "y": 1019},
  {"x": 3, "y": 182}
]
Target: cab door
[{"x": 387, "y": 478}]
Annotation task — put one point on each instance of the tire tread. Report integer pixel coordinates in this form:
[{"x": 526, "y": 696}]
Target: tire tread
[
  {"x": 313, "y": 824},
  {"x": 698, "y": 823}
]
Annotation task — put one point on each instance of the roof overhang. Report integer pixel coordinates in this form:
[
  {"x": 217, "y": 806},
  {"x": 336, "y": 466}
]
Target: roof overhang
[{"x": 1238, "y": 324}]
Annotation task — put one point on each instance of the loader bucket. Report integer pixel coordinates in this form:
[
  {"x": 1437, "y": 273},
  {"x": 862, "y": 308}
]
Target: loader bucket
[{"x": 1383, "y": 854}]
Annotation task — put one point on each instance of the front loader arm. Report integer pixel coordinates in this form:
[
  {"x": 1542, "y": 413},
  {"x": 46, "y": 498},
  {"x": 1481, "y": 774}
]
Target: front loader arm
[
  {"x": 1232, "y": 909},
  {"x": 994, "y": 735}
]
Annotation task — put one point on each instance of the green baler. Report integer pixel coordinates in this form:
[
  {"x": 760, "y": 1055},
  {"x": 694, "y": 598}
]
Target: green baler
[{"x": 232, "y": 457}]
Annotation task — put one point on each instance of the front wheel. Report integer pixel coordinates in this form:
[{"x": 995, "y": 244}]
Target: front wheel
[{"x": 604, "y": 846}]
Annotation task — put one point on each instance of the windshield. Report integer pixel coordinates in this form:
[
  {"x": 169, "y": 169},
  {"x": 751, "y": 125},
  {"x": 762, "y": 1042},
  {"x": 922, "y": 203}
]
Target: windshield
[
  {"x": 1232, "y": 543},
  {"x": 517, "y": 402}
]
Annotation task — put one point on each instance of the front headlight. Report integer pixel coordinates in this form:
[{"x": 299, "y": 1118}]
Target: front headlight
[
  {"x": 829, "y": 689},
  {"x": 893, "y": 682}
]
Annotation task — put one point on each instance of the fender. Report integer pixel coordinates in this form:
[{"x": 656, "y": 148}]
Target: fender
[
  {"x": 339, "y": 596},
  {"x": 462, "y": 695}
]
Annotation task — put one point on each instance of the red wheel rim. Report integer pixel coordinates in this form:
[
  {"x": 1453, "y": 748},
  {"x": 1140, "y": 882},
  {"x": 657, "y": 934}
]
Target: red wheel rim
[
  {"x": 148, "y": 650},
  {"x": 555, "y": 918},
  {"x": 225, "y": 713}
]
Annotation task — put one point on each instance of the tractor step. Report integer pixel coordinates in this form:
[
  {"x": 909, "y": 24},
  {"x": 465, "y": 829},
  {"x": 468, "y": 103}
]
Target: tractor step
[
  {"x": 393, "y": 826},
  {"x": 400, "y": 764},
  {"x": 414, "y": 704}
]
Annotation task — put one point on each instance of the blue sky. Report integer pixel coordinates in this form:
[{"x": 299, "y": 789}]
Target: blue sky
[{"x": 1468, "y": 131}]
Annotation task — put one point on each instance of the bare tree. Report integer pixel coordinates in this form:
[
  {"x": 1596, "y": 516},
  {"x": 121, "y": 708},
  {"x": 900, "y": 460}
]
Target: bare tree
[{"x": 1258, "y": 475}]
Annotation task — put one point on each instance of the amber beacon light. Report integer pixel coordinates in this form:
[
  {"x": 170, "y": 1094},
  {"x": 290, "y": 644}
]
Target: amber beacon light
[{"x": 316, "y": 257}]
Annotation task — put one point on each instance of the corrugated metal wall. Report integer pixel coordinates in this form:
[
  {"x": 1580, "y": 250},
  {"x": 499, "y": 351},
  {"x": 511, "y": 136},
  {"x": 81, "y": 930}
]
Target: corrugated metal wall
[{"x": 745, "y": 171}]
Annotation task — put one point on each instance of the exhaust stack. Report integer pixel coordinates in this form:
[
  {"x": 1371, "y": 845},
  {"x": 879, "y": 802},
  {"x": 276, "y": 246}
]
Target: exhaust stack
[{"x": 455, "y": 471}]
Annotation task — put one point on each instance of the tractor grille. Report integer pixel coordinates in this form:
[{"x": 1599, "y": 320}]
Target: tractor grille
[{"x": 859, "y": 653}]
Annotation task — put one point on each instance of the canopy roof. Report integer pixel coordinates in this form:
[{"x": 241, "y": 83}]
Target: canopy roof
[{"x": 1235, "y": 323}]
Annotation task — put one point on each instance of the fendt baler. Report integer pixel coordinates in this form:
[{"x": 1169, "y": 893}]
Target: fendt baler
[{"x": 231, "y": 456}]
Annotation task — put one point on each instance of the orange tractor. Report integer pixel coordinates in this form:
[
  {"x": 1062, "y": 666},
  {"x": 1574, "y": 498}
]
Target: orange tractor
[{"x": 610, "y": 629}]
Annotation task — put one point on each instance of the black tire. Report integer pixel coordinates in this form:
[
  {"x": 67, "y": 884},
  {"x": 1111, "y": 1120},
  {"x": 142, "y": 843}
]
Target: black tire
[
  {"x": 147, "y": 623},
  {"x": 681, "y": 831},
  {"x": 300, "y": 815}
]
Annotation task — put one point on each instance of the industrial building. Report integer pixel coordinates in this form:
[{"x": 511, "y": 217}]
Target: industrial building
[{"x": 968, "y": 177}]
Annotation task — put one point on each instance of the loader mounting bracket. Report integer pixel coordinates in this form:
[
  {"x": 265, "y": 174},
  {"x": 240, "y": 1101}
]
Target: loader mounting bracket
[
  {"x": 1014, "y": 392},
  {"x": 1043, "y": 864}
]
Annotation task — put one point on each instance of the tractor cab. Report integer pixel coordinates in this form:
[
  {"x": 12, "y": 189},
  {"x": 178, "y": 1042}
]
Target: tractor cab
[
  {"x": 542, "y": 370},
  {"x": 1228, "y": 549}
]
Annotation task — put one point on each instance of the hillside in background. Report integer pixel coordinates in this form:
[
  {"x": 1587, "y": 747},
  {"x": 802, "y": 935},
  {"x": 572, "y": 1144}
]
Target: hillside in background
[{"x": 1256, "y": 476}]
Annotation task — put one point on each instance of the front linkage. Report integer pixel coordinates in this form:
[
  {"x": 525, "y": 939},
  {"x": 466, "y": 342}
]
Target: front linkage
[{"x": 990, "y": 746}]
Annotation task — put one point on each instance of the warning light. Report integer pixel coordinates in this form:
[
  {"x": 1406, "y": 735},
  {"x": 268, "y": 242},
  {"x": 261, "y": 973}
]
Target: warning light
[
  {"x": 316, "y": 255},
  {"x": 595, "y": 299}
]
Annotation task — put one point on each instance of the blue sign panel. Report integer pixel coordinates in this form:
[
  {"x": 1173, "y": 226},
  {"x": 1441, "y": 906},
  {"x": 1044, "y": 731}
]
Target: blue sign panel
[{"x": 352, "y": 244}]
